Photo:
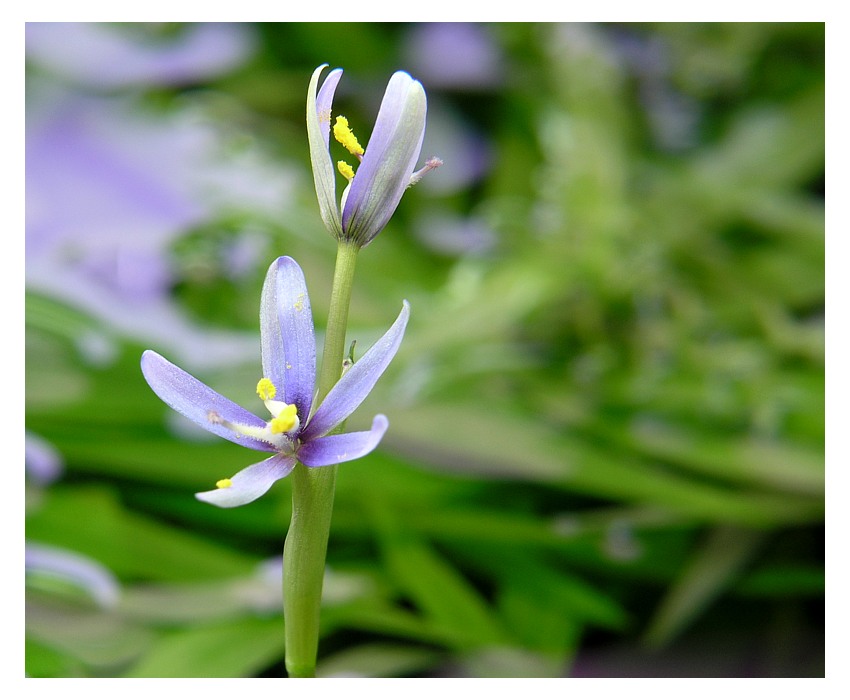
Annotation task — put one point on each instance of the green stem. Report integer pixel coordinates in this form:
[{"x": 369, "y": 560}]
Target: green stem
[{"x": 313, "y": 497}]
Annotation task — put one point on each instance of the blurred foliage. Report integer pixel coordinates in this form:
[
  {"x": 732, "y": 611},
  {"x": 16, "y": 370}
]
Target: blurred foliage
[{"x": 606, "y": 447}]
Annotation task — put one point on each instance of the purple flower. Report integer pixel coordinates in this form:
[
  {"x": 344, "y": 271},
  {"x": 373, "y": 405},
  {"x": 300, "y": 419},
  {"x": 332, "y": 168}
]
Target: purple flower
[
  {"x": 55, "y": 563},
  {"x": 295, "y": 431},
  {"x": 109, "y": 56},
  {"x": 386, "y": 165},
  {"x": 461, "y": 55}
]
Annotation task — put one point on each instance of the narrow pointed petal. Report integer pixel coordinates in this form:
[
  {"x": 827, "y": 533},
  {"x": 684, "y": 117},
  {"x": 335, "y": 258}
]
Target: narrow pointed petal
[
  {"x": 271, "y": 340},
  {"x": 287, "y": 338},
  {"x": 251, "y": 483},
  {"x": 350, "y": 391},
  {"x": 333, "y": 449},
  {"x": 389, "y": 160},
  {"x": 324, "y": 103},
  {"x": 196, "y": 401},
  {"x": 318, "y": 135}
]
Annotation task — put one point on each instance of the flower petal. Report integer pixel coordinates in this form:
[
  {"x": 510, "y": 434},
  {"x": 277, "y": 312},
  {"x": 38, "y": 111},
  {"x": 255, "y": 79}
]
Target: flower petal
[
  {"x": 318, "y": 135},
  {"x": 389, "y": 160},
  {"x": 271, "y": 340},
  {"x": 287, "y": 338},
  {"x": 355, "y": 385},
  {"x": 251, "y": 483},
  {"x": 324, "y": 103},
  {"x": 196, "y": 400},
  {"x": 333, "y": 449}
]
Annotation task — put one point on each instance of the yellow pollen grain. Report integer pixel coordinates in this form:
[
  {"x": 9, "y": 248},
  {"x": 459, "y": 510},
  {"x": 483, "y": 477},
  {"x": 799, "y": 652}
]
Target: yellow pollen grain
[
  {"x": 344, "y": 134},
  {"x": 266, "y": 389},
  {"x": 285, "y": 420},
  {"x": 223, "y": 484},
  {"x": 346, "y": 170}
]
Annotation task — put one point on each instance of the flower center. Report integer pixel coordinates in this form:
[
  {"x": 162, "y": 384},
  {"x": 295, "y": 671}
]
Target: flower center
[{"x": 276, "y": 432}]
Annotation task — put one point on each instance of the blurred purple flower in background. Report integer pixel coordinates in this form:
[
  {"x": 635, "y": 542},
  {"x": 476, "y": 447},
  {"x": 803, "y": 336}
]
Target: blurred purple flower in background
[
  {"x": 455, "y": 55},
  {"x": 111, "y": 184},
  {"x": 82, "y": 572},
  {"x": 449, "y": 234},
  {"x": 672, "y": 115},
  {"x": 106, "y": 55},
  {"x": 42, "y": 461}
]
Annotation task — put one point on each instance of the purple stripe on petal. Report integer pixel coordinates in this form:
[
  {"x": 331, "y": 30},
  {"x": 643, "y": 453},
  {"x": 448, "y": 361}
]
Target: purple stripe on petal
[
  {"x": 271, "y": 341},
  {"x": 198, "y": 402},
  {"x": 333, "y": 449},
  {"x": 389, "y": 160},
  {"x": 296, "y": 329},
  {"x": 250, "y": 483},
  {"x": 318, "y": 130},
  {"x": 324, "y": 103},
  {"x": 350, "y": 391}
]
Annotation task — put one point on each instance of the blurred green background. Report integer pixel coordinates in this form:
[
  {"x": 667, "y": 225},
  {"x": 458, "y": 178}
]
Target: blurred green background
[{"x": 606, "y": 444}]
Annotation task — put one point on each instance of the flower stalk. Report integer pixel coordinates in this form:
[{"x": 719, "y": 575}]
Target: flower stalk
[{"x": 306, "y": 545}]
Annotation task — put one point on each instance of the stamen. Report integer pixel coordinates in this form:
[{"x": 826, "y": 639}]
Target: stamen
[
  {"x": 346, "y": 170},
  {"x": 431, "y": 164},
  {"x": 252, "y": 431},
  {"x": 344, "y": 134},
  {"x": 266, "y": 389},
  {"x": 223, "y": 484},
  {"x": 285, "y": 421}
]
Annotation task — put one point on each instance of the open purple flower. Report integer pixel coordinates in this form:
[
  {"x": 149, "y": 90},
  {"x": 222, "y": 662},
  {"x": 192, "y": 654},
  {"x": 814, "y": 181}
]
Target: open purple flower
[
  {"x": 386, "y": 164},
  {"x": 295, "y": 432}
]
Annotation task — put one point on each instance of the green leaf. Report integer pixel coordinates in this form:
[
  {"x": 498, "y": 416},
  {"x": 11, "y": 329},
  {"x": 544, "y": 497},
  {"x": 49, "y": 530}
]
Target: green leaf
[
  {"x": 439, "y": 590},
  {"x": 92, "y": 521},
  {"x": 536, "y": 453},
  {"x": 376, "y": 661},
  {"x": 710, "y": 571},
  {"x": 233, "y": 649}
]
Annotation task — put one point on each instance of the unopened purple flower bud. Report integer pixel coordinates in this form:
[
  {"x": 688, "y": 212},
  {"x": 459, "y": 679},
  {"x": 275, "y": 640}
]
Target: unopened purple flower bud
[{"x": 386, "y": 165}]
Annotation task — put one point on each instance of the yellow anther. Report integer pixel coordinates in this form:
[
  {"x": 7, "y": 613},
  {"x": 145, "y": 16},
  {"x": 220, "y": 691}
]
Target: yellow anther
[
  {"x": 285, "y": 421},
  {"x": 344, "y": 134},
  {"x": 346, "y": 170},
  {"x": 266, "y": 389},
  {"x": 223, "y": 484}
]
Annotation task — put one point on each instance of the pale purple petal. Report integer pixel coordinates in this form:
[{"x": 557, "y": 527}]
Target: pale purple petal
[
  {"x": 198, "y": 402},
  {"x": 324, "y": 103},
  {"x": 389, "y": 160},
  {"x": 271, "y": 341},
  {"x": 350, "y": 391},
  {"x": 333, "y": 449},
  {"x": 318, "y": 128},
  {"x": 251, "y": 483},
  {"x": 299, "y": 341},
  {"x": 286, "y": 335}
]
